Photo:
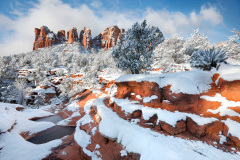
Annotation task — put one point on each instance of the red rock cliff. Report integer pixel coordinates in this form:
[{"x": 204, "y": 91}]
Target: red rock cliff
[
  {"x": 86, "y": 38},
  {"x": 109, "y": 37},
  {"x": 72, "y": 35},
  {"x": 45, "y": 38}
]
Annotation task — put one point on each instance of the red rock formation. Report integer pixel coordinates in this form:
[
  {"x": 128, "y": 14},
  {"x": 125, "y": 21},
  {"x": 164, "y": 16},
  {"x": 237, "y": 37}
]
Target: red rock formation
[
  {"x": 230, "y": 89},
  {"x": 72, "y": 35},
  {"x": 61, "y": 35},
  {"x": 109, "y": 37},
  {"x": 86, "y": 38},
  {"x": 45, "y": 38}
]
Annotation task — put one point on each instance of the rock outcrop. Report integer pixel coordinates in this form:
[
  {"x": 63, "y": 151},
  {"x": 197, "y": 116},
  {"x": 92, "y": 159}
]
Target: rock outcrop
[
  {"x": 46, "y": 38},
  {"x": 72, "y": 35},
  {"x": 109, "y": 37},
  {"x": 86, "y": 38}
]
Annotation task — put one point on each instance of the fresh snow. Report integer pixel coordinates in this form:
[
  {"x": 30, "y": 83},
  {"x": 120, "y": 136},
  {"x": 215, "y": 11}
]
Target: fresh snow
[
  {"x": 234, "y": 127},
  {"x": 10, "y": 116},
  {"x": 48, "y": 90},
  {"x": 97, "y": 146},
  {"x": 83, "y": 139},
  {"x": 12, "y": 144},
  {"x": 229, "y": 72},
  {"x": 152, "y": 145},
  {"x": 67, "y": 120},
  {"x": 123, "y": 153},
  {"x": 73, "y": 106},
  {"x": 15, "y": 146},
  {"x": 163, "y": 115},
  {"x": 191, "y": 82},
  {"x": 138, "y": 97},
  {"x": 225, "y": 104},
  {"x": 149, "y": 99}
]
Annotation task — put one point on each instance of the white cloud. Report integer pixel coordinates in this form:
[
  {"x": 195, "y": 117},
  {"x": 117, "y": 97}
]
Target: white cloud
[
  {"x": 18, "y": 34},
  {"x": 96, "y": 3}
]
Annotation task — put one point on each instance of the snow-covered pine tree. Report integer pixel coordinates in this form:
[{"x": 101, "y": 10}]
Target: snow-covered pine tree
[
  {"x": 196, "y": 42},
  {"x": 136, "y": 51},
  {"x": 20, "y": 85},
  {"x": 170, "y": 51}
]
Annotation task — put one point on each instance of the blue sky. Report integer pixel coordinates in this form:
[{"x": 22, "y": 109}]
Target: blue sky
[{"x": 18, "y": 18}]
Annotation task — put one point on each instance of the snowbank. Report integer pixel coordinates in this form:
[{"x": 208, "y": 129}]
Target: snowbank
[
  {"x": 234, "y": 128},
  {"x": 10, "y": 116},
  {"x": 191, "y": 82},
  {"x": 163, "y": 115},
  {"x": 152, "y": 145},
  {"x": 14, "y": 146},
  {"x": 48, "y": 90},
  {"x": 229, "y": 72}
]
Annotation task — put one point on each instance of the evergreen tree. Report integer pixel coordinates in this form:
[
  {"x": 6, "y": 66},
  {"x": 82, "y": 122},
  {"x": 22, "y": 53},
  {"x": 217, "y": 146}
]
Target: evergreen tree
[
  {"x": 135, "y": 52},
  {"x": 196, "y": 42}
]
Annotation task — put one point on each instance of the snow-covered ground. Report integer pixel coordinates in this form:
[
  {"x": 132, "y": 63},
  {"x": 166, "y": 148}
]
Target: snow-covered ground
[
  {"x": 149, "y": 144},
  {"x": 12, "y": 123}
]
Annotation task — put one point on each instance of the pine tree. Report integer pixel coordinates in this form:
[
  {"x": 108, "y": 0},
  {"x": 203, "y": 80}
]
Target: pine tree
[
  {"x": 196, "y": 42},
  {"x": 136, "y": 51}
]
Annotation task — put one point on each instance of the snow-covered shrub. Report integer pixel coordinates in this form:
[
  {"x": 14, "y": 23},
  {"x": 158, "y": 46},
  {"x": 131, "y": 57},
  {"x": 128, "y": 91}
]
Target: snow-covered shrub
[
  {"x": 232, "y": 45},
  {"x": 39, "y": 99},
  {"x": 206, "y": 59},
  {"x": 170, "y": 51},
  {"x": 137, "y": 48},
  {"x": 196, "y": 42},
  {"x": 20, "y": 85}
]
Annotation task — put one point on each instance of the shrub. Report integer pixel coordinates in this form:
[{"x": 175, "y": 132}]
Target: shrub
[{"x": 206, "y": 59}]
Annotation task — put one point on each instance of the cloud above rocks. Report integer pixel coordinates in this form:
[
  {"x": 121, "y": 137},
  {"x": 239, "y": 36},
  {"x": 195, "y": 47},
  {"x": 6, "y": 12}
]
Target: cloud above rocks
[{"x": 17, "y": 35}]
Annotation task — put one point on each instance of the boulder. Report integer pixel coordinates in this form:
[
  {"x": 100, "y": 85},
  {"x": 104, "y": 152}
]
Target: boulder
[
  {"x": 86, "y": 38},
  {"x": 144, "y": 89},
  {"x": 230, "y": 89},
  {"x": 182, "y": 102},
  {"x": 72, "y": 35},
  {"x": 179, "y": 127}
]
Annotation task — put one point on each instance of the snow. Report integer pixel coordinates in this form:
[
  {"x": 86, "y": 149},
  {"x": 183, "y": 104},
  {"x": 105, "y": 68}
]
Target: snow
[
  {"x": 83, "y": 139},
  {"x": 93, "y": 131},
  {"x": 191, "y": 82},
  {"x": 152, "y": 145},
  {"x": 48, "y": 90},
  {"x": 67, "y": 120},
  {"x": 97, "y": 146},
  {"x": 229, "y": 72},
  {"x": 109, "y": 74},
  {"x": 163, "y": 115},
  {"x": 12, "y": 141},
  {"x": 50, "y": 35},
  {"x": 15, "y": 147},
  {"x": 138, "y": 97},
  {"x": 63, "y": 153},
  {"x": 225, "y": 104},
  {"x": 9, "y": 115},
  {"x": 123, "y": 153},
  {"x": 234, "y": 127},
  {"x": 149, "y": 99},
  {"x": 73, "y": 106},
  {"x": 127, "y": 106},
  {"x": 222, "y": 139}
]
